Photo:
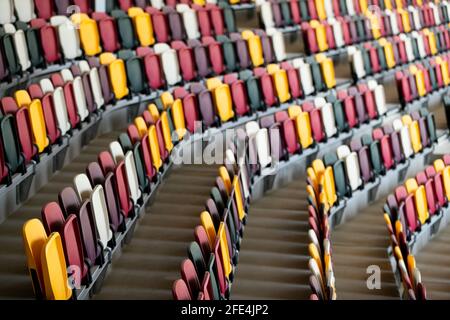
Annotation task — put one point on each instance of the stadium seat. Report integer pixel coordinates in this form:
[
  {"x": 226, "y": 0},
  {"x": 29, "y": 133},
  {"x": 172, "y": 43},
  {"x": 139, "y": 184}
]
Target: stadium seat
[{"x": 83, "y": 186}]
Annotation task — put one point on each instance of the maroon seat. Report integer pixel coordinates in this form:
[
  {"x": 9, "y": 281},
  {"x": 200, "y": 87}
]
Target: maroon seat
[
  {"x": 28, "y": 148},
  {"x": 105, "y": 84},
  {"x": 223, "y": 285},
  {"x": 73, "y": 251},
  {"x": 268, "y": 88},
  {"x": 106, "y": 162},
  {"x": 211, "y": 207},
  {"x": 215, "y": 54},
  {"x": 400, "y": 193},
  {"x": 295, "y": 87},
  {"x": 133, "y": 133},
  {"x": 4, "y": 170},
  {"x": 365, "y": 164},
  {"x": 350, "y": 111},
  {"x": 290, "y": 136},
  {"x": 125, "y": 203},
  {"x": 95, "y": 174},
  {"x": 242, "y": 50},
  {"x": 204, "y": 21},
  {"x": 432, "y": 202},
  {"x": 411, "y": 215},
  {"x": 164, "y": 153},
  {"x": 88, "y": 92},
  {"x": 35, "y": 91},
  {"x": 91, "y": 247},
  {"x": 115, "y": 216},
  {"x": 359, "y": 105},
  {"x": 109, "y": 35},
  {"x": 8, "y": 106},
  {"x": 175, "y": 23},
  {"x": 53, "y": 132},
  {"x": 186, "y": 59},
  {"x": 62, "y": 6},
  {"x": 160, "y": 24},
  {"x": 83, "y": 5},
  {"x": 439, "y": 188},
  {"x": 397, "y": 147},
  {"x": 316, "y": 125},
  {"x": 150, "y": 170},
  {"x": 4, "y": 72},
  {"x": 71, "y": 105},
  {"x": 154, "y": 71},
  {"x": 355, "y": 144},
  {"x": 217, "y": 20},
  {"x": 69, "y": 201},
  {"x": 50, "y": 45},
  {"x": 386, "y": 152},
  {"x": 392, "y": 204},
  {"x": 191, "y": 112},
  {"x": 44, "y": 8},
  {"x": 202, "y": 239},
  {"x": 180, "y": 290},
  {"x": 201, "y": 58},
  {"x": 52, "y": 217},
  {"x": 189, "y": 276},
  {"x": 98, "y": 16},
  {"x": 266, "y": 42}
]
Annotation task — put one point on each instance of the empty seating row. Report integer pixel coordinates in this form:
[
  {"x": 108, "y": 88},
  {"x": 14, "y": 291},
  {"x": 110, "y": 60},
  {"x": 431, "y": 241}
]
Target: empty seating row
[
  {"x": 383, "y": 54},
  {"x": 336, "y": 33},
  {"x": 349, "y": 169},
  {"x": 208, "y": 272},
  {"x": 284, "y": 13},
  {"x": 408, "y": 211},
  {"x": 422, "y": 78}
]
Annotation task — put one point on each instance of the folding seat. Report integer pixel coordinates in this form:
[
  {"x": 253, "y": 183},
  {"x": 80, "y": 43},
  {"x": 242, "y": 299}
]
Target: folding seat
[
  {"x": 83, "y": 5},
  {"x": 91, "y": 242},
  {"x": 124, "y": 197},
  {"x": 7, "y": 12},
  {"x": 274, "y": 42},
  {"x": 89, "y": 37},
  {"x": 119, "y": 85},
  {"x": 328, "y": 119},
  {"x": 125, "y": 28},
  {"x": 160, "y": 24},
  {"x": 28, "y": 149},
  {"x": 70, "y": 104},
  {"x": 254, "y": 47},
  {"x": 367, "y": 172},
  {"x": 169, "y": 62},
  {"x": 108, "y": 34},
  {"x": 411, "y": 216},
  {"x": 132, "y": 178},
  {"x": 154, "y": 148},
  {"x": 144, "y": 29},
  {"x": 38, "y": 125},
  {"x": 180, "y": 291},
  {"x": 101, "y": 217},
  {"x": 396, "y": 144},
  {"x": 21, "y": 49},
  {"x": 53, "y": 132},
  {"x": 83, "y": 186},
  {"x": 8, "y": 50},
  {"x": 189, "y": 276},
  {"x": 411, "y": 185},
  {"x": 68, "y": 37},
  {"x": 190, "y": 22},
  {"x": 215, "y": 54},
  {"x": 414, "y": 132},
  {"x": 353, "y": 171},
  {"x": 386, "y": 152}
]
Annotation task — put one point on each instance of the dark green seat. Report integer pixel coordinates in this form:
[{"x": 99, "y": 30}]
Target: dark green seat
[
  {"x": 366, "y": 140},
  {"x": 339, "y": 116},
  {"x": 319, "y": 85},
  {"x": 217, "y": 197},
  {"x": 11, "y": 146},
  {"x": 213, "y": 277},
  {"x": 125, "y": 142},
  {"x": 340, "y": 180},
  {"x": 431, "y": 125},
  {"x": 170, "y": 120},
  {"x": 360, "y": 30},
  {"x": 432, "y": 75},
  {"x": 125, "y": 54},
  {"x": 110, "y": 5},
  {"x": 231, "y": 228},
  {"x": 343, "y": 7},
  {"x": 135, "y": 74},
  {"x": 415, "y": 49},
  {"x": 196, "y": 256},
  {"x": 34, "y": 47},
  {"x": 10, "y": 54},
  {"x": 254, "y": 94},
  {"x": 144, "y": 183},
  {"x": 228, "y": 16},
  {"x": 446, "y": 101},
  {"x": 366, "y": 60},
  {"x": 304, "y": 10},
  {"x": 229, "y": 53},
  {"x": 375, "y": 156},
  {"x": 286, "y": 12},
  {"x": 126, "y": 30},
  {"x": 329, "y": 159},
  {"x": 381, "y": 57}
]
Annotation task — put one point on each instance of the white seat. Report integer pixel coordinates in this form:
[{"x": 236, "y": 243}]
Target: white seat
[
  {"x": 406, "y": 142},
  {"x": 189, "y": 20},
  {"x": 96, "y": 87},
  {"x": 420, "y": 45},
  {"x": 397, "y": 124},
  {"x": 46, "y": 86},
  {"x": 393, "y": 19},
  {"x": 329, "y": 123},
  {"x": 408, "y": 47},
  {"x": 83, "y": 186},
  {"x": 319, "y": 102},
  {"x": 158, "y": 4},
  {"x": 417, "y": 277},
  {"x": 116, "y": 151},
  {"x": 61, "y": 110},
  {"x": 263, "y": 147},
  {"x": 278, "y": 43},
  {"x": 446, "y": 7},
  {"x": 100, "y": 5},
  {"x": 67, "y": 75},
  {"x": 24, "y": 10},
  {"x": 313, "y": 238},
  {"x": 9, "y": 28},
  {"x": 169, "y": 61},
  {"x": 6, "y": 12},
  {"x": 306, "y": 80},
  {"x": 211, "y": 1},
  {"x": 350, "y": 7},
  {"x": 342, "y": 152},
  {"x": 379, "y": 94},
  {"x": 251, "y": 128},
  {"x": 133, "y": 182},
  {"x": 266, "y": 15},
  {"x": 58, "y": 20},
  {"x": 435, "y": 9},
  {"x": 84, "y": 66},
  {"x": 244, "y": 178},
  {"x": 357, "y": 63},
  {"x": 69, "y": 40},
  {"x": 22, "y": 49},
  {"x": 328, "y": 4},
  {"x": 337, "y": 32},
  {"x": 416, "y": 17},
  {"x": 80, "y": 98},
  {"x": 317, "y": 273},
  {"x": 353, "y": 173},
  {"x": 100, "y": 212}
]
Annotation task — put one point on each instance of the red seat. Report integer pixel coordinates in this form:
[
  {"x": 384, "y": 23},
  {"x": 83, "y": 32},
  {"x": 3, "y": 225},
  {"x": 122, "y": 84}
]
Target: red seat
[
  {"x": 215, "y": 54},
  {"x": 295, "y": 87},
  {"x": 186, "y": 59},
  {"x": 432, "y": 202},
  {"x": 154, "y": 71},
  {"x": 403, "y": 87},
  {"x": 125, "y": 4},
  {"x": 350, "y": 112},
  {"x": 369, "y": 101},
  {"x": 191, "y": 112},
  {"x": 162, "y": 146},
  {"x": 400, "y": 193},
  {"x": 202, "y": 239},
  {"x": 189, "y": 275},
  {"x": 421, "y": 178},
  {"x": 203, "y": 18},
  {"x": 150, "y": 170},
  {"x": 430, "y": 172},
  {"x": 28, "y": 148},
  {"x": 216, "y": 15},
  {"x": 267, "y": 88},
  {"x": 446, "y": 159},
  {"x": 143, "y": 51},
  {"x": 92, "y": 249},
  {"x": 109, "y": 34},
  {"x": 35, "y": 91},
  {"x": 439, "y": 188},
  {"x": 8, "y": 106},
  {"x": 106, "y": 162},
  {"x": 148, "y": 118},
  {"x": 206, "y": 288},
  {"x": 73, "y": 251},
  {"x": 71, "y": 105},
  {"x": 57, "y": 80},
  {"x": 309, "y": 37},
  {"x": 126, "y": 205},
  {"x": 53, "y": 132},
  {"x": 377, "y": 134},
  {"x": 180, "y": 290},
  {"x": 294, "y": 7},
  {"x": 114, "y": 214},
  {"x": 221, "y": 279},
  {"x": 52, "y": 217},
  {"x": 329, "y": 35},
  {"x": 44, "y": 9},
  {"x": 411, "y": 215},
  {"x": 386, "y": 152},
  {"x": 239, "y": 96},
  {"x": 83, "y": 5},
  {"x": 50, "y": 45},
  {"x": 69, "y": 201},
  {"x": 133, "y": 133},
  {"x": 290, "y": 137},
  {"x": 160, "y": 24},
  {"x": 316, "y": 125}
]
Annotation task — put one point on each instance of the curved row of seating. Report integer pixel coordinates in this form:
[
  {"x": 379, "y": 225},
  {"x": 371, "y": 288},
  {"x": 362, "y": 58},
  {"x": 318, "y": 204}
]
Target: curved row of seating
[
  {"x": 351, "y": 168},
  {"x": 421, "y": 79},
  {"x": 286, "y": 13},
  {"x": 408, "y": 210},
  {"x": 208, "y": 272},
  {"x": 336, "y": 33}
]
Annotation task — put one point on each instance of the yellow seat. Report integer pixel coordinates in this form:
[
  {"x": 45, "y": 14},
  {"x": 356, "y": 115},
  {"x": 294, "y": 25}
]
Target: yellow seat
[
  {"x": 446, "y": 179},
  {"x": 144, "y": 29},
  {"x": 208, "y": 225},
  {"x": 398, "y": 3},
  {"x": 201, "y": 2},
  {"x": 34, "y": 238},
  {"x": 77, "y": 18},
  {"x": 420, "y": 198},
  {"x": 388, "y": 5},
  {"x": 22, "y": 98},
  {"x": 166, "y": 131},
  {"x": 444, "y": 71},
  {"x": 406, "y": 120},
  {"x": 141, "y": 125},
  {"x": 312, "y": 193},
  {"x": 231, "y": 1},
  {"x": 405, "y": 20},
  {"x": 224, "y": 249},
  {"x": 107, "y": 57},
  {"x": 213, "y": 83},
  {"x": 153, "y": 109},
  {"x": 314, "y": 180},
  {"x": 223, "y": 173},
  {"x": 398, "y": 229},
  {"x": 432, "y": 41},
  {"x": 134, "y": 11},
  {"x": 223, "y": 102},
  {"x": 411, "y": 261},
  {"x": 38, "y": 125},
  {"x": 166, "y": 99},
  {"x": 54, "y": 269},
  {"x": 178, "y": 118},
  {"x": 439, "y": 165},
  {"x": 327, "y": 68},
  {"x": 238, "y": 198},
  {"x": 320, "y": 9},
  {"x": 420, "y": 83},
  {"x": 414, "y": 132},
  {"x": 154, "y": 147},
  {"x": 319, "y": 168},
  {"x": 314, "y": 253},
  {"x": 398, "y": 253},
  {"x": 389, "y": 54},
  {"x": 388, "y": 222},
  {"x": 294, "y": 111},
  {"x": 254, "y": 47},
  {"x": 119, "y": 78},
  {"x": 282, "y": 85},
  {"x": 89, "y": 37},
  {"x": 411, "y": 185},
  {"x": 329, "y": 186},
  {"x": 304, "y": 132},
  {"x": 272, "y": 68},
  {"x": 321, "y": 35}
]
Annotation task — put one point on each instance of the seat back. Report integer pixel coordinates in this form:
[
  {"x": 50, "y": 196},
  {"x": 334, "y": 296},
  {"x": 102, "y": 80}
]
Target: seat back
[{"x": 52, "y": 217}]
